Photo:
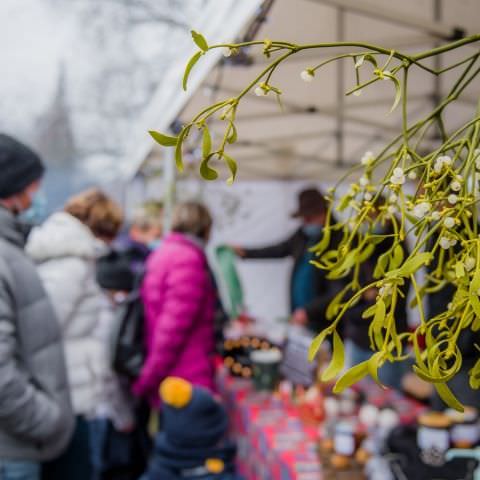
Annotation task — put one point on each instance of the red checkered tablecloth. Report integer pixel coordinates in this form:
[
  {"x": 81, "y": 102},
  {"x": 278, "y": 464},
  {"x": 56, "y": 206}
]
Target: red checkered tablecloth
[{"x": 273, "y": 442}]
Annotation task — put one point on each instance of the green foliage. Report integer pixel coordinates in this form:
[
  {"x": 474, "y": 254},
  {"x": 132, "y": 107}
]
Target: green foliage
[
  {"x": 191, "y": 63},
  {"x": 164, "y": 140},
  {"x": 441, "y": 214}
]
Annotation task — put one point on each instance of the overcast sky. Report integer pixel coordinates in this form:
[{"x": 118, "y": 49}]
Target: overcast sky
[{"x": 111, "y": 54}]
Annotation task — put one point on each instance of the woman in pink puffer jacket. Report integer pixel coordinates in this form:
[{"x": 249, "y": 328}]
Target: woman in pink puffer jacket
[{"x": 179, "y": 300}]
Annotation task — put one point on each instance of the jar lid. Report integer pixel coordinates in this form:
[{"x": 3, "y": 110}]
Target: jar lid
[
  {"x": 469, "y": 415},
  {"x": 273, "y": 355},
  {"x": 345, "y": 427},
  {"x": 434, "y": 420}
]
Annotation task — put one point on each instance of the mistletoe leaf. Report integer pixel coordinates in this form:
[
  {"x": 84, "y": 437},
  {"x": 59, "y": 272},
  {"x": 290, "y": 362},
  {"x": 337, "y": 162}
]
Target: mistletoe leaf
[
  {"x": 232, "y": 166},
  {"x": 178, "y": 148},
  {"x": 448, "y": 397},
  {"x": 375, "y": 327},
  {"x": 411, "y": 265},
  {"x": 206, "y": 171},
  {"x": 162, "y": 139},
  {"x": 397, "y": 257},
  {"x": 398, "y": 90},
  {"x": 381, "y": 265},
  {"x": 323, "y": 244},
  {"x": 191, "y": 63},
  {"x": 338, "y": 359},
  {"x": 373, "y": 364},
  {"x": 367, "y": 253},
  {"x": 345, "y": 265},
  {"x": 459, "y": 269},
  {"x": 475, "y": 303},
  {"x": 207, "y": 142},
  {"x": 232, "y": 137},
  {"x": 334, "y": 306},
  {"x": 370, "y": 311},
  {"x": 200, "y": 41},
  {"x": 317, "y": 343},
  {"x": 353, "y": 375}
]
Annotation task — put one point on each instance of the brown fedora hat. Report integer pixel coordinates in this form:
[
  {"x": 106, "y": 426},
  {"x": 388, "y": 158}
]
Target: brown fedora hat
[{"x": 310, "y": 202}]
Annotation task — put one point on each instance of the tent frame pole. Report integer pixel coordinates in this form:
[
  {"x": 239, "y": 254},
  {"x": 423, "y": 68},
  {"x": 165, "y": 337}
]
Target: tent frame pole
[
  {"x": 340, "y": 115},
  {"x": 169, "y": 186},
  {"x": 433, "y": 28}
]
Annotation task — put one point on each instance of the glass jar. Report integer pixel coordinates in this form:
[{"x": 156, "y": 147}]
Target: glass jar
[{"x": 433, "y": 437}]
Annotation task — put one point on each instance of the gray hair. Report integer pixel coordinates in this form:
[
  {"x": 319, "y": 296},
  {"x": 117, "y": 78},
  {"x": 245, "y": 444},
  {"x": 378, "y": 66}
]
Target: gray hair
[{"x": 192, "y": 218}]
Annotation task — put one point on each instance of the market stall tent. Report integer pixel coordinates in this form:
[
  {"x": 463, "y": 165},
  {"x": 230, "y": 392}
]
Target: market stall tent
[{"x": 319, "y": 133}]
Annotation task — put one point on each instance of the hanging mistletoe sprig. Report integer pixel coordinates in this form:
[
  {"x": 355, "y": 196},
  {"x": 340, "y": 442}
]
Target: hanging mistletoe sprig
[{"x": 441, "y": 213}]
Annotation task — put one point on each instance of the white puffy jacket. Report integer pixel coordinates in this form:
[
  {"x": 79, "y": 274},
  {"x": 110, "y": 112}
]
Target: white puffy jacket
[{"x": 65, "y": 251}]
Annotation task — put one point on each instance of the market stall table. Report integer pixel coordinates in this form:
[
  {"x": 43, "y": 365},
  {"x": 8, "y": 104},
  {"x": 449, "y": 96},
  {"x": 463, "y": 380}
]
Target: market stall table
[{"x": 274, "y": 443}]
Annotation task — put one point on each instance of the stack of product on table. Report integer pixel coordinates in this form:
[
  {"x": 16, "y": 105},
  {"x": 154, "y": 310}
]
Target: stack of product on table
[{"x": 289, "y": 425}]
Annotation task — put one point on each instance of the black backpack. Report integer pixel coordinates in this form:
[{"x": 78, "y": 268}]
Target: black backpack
[
  {"x": 127, "y": 348},
  {"x": 128, "y": 339}
]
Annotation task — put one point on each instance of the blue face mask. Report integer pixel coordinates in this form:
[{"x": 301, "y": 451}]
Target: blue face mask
[
  {"x": 154, "y": 244},
  {"x": 37, "y": 211},
  {"x": 312, "y": 230}
]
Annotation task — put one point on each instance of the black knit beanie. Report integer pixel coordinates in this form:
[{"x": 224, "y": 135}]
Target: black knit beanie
[{"x": 19, "y": 166}]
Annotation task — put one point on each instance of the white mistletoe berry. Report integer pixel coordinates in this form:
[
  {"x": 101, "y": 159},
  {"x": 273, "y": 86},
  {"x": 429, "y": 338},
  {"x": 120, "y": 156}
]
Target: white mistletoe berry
[
  {"x": 436, "y": 215},
  {"x": 412, "y": 175},
  {"x": 421, "y": 209},
  {"x": 367, "y": 158},
  {"x": 307, "y": 75},
  {"x": 445, "y": 243},
  {"x": 397, "y": 180},
  {"x": 456, "y": 186},
  {"x": 392, "y": 209},
  {"x": 470, "y": 264},
  {"x": 364, "y": 181},
  {"x": 452, "y": 199},
  {"x": 260, "y": 92},
  {"x": 449, "y": 222}
]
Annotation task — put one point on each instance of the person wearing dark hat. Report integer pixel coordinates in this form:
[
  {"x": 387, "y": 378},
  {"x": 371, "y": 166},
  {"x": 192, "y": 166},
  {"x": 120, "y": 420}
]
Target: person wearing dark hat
[
  {"x": 36, "y": 419},
  {"x": 310, "y": 290},
  {"x": 192, "y": 444}
]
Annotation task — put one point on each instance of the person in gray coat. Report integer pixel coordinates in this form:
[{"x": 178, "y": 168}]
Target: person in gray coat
[{"x": 36, "y": 419}]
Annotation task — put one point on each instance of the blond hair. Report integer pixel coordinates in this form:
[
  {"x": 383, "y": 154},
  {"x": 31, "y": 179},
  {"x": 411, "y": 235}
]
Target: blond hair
[
  {"x": 192, "y": 218},
  {"x": 148, "y": 215},
  {"x": 101, "y": 214}
]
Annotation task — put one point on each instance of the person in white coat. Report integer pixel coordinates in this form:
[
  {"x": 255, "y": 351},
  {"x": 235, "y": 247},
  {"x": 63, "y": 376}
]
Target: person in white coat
[{"x": 65, "y": 249}]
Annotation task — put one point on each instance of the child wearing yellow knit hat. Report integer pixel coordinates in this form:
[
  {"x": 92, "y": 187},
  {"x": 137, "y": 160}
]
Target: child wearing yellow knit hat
[{"x": 192, "y": 443}]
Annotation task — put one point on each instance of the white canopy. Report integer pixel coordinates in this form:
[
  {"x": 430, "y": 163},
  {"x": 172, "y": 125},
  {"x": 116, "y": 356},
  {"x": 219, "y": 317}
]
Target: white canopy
[
  {"x": 320, "y": 130},
  {"x": 319, "y": 133}
]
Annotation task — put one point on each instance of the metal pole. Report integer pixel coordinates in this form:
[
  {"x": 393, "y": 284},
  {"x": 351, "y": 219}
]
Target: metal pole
[
  {"x": 340, "y": 133},
  {"x": 387, "y": 13},
  {"x": 437, "y": 60},
  {"x": 169, "y": 177}
]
